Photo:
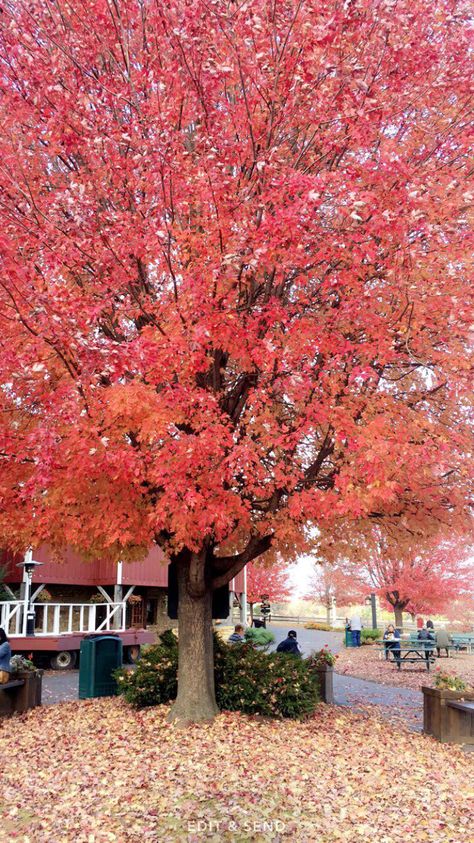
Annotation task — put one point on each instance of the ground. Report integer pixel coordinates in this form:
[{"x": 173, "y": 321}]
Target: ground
[
  {"x": 402, "y": 703},
  {"x": 365, "y": 662},
  {"x": 97, "y": 771}
]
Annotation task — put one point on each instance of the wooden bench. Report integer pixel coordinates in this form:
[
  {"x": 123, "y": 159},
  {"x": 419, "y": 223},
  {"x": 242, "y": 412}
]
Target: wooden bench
[
  {"x": 463, "y": 641},
  {"x": 19, "y": 695},
  {"x": 461, "y": 721},
  {"x": 14, "y": 683}
]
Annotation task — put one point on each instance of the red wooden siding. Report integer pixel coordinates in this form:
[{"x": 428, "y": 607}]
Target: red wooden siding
[
  {"x": 150, "y": 571},
  {"x": 67, "y": 568}
]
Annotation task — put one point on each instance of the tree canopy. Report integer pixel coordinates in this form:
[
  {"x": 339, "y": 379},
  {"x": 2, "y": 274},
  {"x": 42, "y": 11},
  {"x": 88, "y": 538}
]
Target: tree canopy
[
  {"x": 234, "y": 288},
  {"x": 234, "y": 267}
]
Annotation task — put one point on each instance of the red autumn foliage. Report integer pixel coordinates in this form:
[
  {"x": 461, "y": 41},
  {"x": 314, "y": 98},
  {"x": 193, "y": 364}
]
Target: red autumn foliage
[
  {"x": 333, "y": 583},
  {"x": 410, "y": 577},
  {"x": 273, "y": 581},
  {"x": 234, "y": 278}
]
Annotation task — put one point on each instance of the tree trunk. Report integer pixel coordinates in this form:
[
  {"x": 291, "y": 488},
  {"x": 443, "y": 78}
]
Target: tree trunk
[
  {"x": 251, "y": 614},
  {"x": 196, "y": 699},
  {"x": 398, "y": 617}
]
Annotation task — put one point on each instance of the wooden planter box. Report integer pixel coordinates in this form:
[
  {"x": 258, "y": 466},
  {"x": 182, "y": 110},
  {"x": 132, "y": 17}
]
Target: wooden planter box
[
  {"x": 447, "y": 724},
  {"x": 325, "y": 682}
]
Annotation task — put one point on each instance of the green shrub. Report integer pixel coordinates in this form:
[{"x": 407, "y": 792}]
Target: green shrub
[
  {"x": 260, "y": 637},
  {"x": 154, "y": 679},
  {"x": 370, "y": 635},
  {"x": 247, "y": 679},
  {"x": 449, "y": 681},
  {"x": 271, "y": 684}
]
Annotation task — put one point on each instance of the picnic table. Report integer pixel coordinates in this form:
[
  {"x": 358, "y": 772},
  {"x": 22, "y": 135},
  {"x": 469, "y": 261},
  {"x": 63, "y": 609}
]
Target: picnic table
[
  {"x": 448, "y": 647},
  {"x": 463, "y": 640},
  {"x": 411, "y": 654}
]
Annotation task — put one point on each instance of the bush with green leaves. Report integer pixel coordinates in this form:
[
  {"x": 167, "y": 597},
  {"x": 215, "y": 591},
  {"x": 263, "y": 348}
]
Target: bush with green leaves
[
  {"x": 270, "y": 684},
  {"x": 449, "y": 681},
  {"x": 321, "y": 658},
  {"x": 368, "y": 636},
  {"x": 247, "y": 679},
  {"x": 155, "y": 677},
  {"x": 259, "y": 637}
]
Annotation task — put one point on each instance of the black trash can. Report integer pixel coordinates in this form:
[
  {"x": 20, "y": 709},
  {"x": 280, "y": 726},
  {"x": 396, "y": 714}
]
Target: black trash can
[{"x": 100, "y": 656}]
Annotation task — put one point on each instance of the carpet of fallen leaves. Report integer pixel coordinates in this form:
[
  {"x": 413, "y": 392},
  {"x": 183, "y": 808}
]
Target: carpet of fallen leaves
[
  {"x": 96, "y": 771},
  {"x": 365, "y": 663}
]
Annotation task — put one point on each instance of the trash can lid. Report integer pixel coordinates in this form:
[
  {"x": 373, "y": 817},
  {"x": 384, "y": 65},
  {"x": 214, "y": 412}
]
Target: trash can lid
[{"x": 97, "y": 635}]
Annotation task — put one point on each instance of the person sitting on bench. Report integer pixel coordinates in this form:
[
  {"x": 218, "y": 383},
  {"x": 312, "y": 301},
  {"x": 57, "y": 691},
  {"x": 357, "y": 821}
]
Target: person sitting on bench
[
  {"x": 443, "y": 641},
  {"x": 5, "y": 656},
  {"x": 425, "y": 635},
  {"x": 238, "y": 635},
  {"x": 391, "y": 638}
]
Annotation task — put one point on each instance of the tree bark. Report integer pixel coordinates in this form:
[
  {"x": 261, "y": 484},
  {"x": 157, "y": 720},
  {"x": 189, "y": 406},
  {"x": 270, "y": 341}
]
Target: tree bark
[
  {"x": 251, "y": 613},
  {"x": 398, "y": 617},
  {"x": 196, "y": 700}
]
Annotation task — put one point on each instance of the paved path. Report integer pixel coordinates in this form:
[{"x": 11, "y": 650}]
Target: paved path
[{"x": 393, "y": 702}]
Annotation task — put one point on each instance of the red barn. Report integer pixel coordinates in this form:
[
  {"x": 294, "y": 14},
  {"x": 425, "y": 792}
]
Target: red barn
[{"x": 72, "y": 597}]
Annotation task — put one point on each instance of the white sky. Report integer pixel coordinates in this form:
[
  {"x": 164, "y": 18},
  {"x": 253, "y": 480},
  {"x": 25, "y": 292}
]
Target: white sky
[{"x": 301, "y": 576}]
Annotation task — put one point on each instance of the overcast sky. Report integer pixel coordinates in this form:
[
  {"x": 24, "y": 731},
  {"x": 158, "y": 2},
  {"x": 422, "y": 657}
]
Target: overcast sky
[{"x": 301, "y": 576}]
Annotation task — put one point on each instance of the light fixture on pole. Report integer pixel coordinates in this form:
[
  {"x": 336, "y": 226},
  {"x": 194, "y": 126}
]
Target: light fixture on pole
[
  {"x": 370, "y": 600},
  {"x": 29, "y": 565}
]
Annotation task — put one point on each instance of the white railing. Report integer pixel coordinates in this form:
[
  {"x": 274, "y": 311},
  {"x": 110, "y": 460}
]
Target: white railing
[
  {"x": 64, "y": 618},
  {"x": 11, "y": 616}
]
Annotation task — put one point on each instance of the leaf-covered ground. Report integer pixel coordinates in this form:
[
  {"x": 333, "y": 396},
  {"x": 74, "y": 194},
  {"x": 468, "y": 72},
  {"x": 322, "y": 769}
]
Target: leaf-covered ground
[
  {"x": 97, "y": 771},
  {"x": 365, "y": 662}
]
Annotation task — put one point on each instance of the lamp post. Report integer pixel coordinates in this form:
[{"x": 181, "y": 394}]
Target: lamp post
[
  {"x": 28, "y": 566},
  {"x": 371, "y": 601}
]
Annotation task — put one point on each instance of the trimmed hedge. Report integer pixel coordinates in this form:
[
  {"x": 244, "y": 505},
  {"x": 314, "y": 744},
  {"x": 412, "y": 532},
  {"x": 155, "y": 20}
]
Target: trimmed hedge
[{"x": 247, "y": 679}]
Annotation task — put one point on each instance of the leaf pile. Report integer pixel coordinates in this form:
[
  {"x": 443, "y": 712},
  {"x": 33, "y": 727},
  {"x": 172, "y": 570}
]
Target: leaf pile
[{"x": 97, "y": 771}]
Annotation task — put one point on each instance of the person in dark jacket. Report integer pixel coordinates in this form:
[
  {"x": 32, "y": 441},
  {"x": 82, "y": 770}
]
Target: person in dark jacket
[
  {"x": 5, "y": 656},
  {"x": 426, "y": 636},
  {"x": 430, "y": 624},
  {"x": 391, "y": 639},
  {"x": 290, "y": 645}
]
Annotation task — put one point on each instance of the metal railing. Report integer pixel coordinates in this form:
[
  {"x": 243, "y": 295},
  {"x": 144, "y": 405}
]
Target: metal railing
[{"x": 64, "y": 618}]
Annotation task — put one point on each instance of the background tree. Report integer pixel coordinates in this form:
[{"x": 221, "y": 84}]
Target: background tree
[
  {"x": 332, "y": 583},
  {"x": 234, "y": 280},
  {"x": 273, "y": 581},
  {"x": 412, "y": 577}
]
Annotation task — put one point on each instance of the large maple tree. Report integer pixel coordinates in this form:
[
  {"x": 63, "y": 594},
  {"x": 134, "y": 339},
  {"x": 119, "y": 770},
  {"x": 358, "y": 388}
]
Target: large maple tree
[{"x": 234, "y": 279}]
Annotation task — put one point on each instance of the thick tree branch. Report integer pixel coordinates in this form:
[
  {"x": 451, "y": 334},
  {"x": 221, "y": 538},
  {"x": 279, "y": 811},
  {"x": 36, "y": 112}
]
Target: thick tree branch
[{"x": 227, "y": 567}]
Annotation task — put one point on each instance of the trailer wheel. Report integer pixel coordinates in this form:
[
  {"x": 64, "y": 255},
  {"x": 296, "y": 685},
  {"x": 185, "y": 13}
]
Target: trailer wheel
[
  {"x": 131, "y": 654},
  {"x": 64, "y": 660}
]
